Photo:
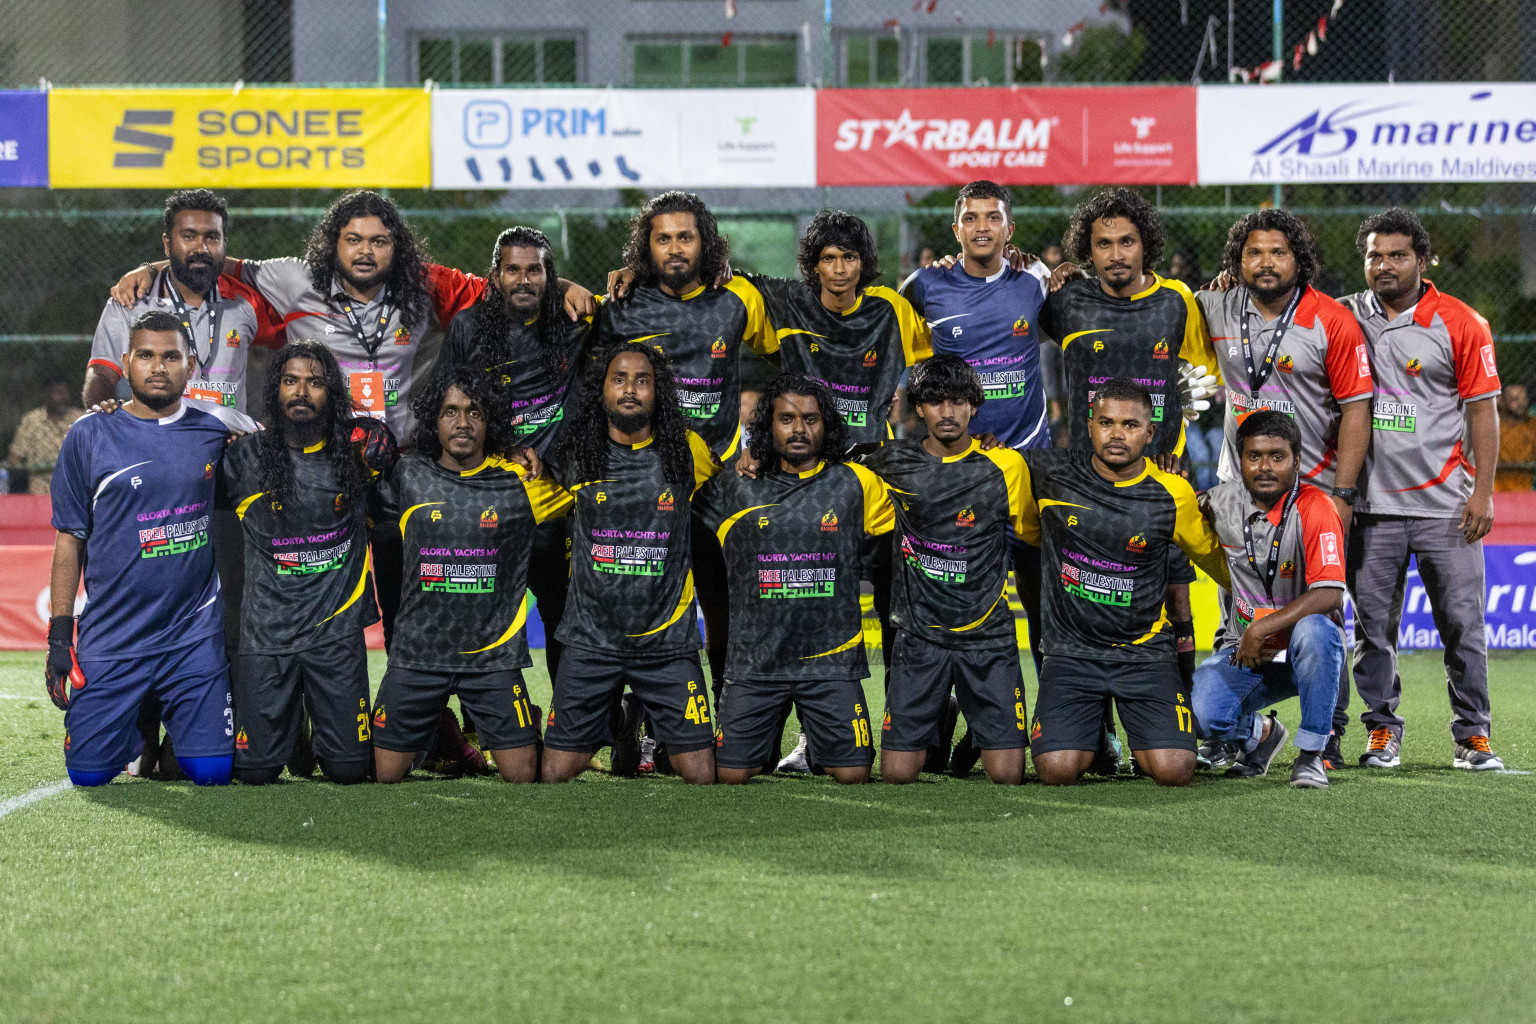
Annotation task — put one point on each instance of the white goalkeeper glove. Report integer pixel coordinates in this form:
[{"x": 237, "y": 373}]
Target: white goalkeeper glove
[{"x": 1196, "y": 386}]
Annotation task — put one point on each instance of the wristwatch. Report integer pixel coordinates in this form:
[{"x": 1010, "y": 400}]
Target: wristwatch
[{"x": 1348, "y": 495}]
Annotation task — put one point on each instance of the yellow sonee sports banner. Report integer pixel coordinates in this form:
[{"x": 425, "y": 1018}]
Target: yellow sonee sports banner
[{"x": 256, "y": 138}]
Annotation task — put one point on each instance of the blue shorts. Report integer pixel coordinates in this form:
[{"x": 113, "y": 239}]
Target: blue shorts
[{"x": 192, "y": 682}]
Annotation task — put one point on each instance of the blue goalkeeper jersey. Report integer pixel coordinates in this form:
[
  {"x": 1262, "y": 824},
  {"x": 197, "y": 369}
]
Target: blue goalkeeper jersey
[
  {"x": 140, "y": 493},
  {"x": 991, "y": 323}
]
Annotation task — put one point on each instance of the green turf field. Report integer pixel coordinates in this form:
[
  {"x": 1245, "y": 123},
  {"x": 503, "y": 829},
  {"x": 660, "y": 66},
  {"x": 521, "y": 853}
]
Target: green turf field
[{"x": 1398, "y": 896}]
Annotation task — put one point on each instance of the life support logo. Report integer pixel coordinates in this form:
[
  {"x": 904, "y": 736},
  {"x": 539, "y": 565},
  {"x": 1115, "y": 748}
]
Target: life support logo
[
  {"x": 829, "y": 521},
  {"x": 488, "y": 519},
  {"x": 1286, "y": 364},
  {"x": 1414, "y": 367},
  {"x": 665, "y": 501}
]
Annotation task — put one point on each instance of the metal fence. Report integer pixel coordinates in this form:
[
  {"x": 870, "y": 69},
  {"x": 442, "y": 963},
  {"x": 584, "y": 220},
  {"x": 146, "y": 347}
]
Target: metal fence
[{"x": 67, "y": 247}]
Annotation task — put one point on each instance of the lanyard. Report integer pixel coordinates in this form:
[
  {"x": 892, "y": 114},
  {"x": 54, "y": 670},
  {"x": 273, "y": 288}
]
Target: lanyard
[
  {"x": 371, "y": 342},
  {"x": 1272, "y": 563},
  {"x": 1257, "y": 375},
  {"x": 185, "y": 316}
]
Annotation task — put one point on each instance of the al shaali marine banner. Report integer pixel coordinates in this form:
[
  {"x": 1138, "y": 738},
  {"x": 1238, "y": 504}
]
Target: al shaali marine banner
[
  {"x": 623, "y": 138},
  {"x": 1293, "y": 134},
  {"x": 253, "y": 138}
]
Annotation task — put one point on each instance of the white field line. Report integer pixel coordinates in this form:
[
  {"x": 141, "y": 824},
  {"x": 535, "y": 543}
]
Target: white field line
[{"x": 32, "y": 796}]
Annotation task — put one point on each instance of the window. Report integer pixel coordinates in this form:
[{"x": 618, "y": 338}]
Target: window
[
  {"x": 982, "y": 58},
  {"x": 761, "y": 60},
  {"x": 870, "y": 59},
  {"x": 520, "y": 59}
]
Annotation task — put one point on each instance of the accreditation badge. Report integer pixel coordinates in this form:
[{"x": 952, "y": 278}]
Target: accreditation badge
[{"x": 367, "y": 389}]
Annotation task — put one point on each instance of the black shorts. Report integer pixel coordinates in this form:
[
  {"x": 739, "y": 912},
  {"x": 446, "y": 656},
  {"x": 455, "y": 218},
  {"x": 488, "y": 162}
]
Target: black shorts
[
  {"x": 406, "y": 710},
  {"x": 832, "y": 713},
  {"x": 1069, "y": 710},
  {"x": 988, "y": 684},
  {"x": 1181, "y": 571},
  {"x": 332, "y": 682},
  {"x": 672, "y": 688}
]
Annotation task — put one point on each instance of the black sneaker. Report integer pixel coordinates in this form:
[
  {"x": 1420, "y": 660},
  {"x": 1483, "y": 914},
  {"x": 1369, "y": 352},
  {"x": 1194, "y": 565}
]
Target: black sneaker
[
  {"x": 302, "y": 764},
  {"x": 1383, "y": 750},
  {"x": 1109, "y": 757},
  {"x": 966, "y": 754},
  {"x": 1217, "y": 754},
  {"x": 1308, "y": 771},
  {"x": 1474, "y": 753},
  {"x": 1255, "y": 762},
  {"x": 626, "y": 739},
  {"x": 1333, "y": 754}
]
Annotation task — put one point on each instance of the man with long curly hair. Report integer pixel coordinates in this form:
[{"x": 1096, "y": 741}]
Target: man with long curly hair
[
  {"x": 633, "y": 464},
  {"x": 467, "y": 515},
  {"x": 301, "y": 490},
  {"x": 793, "y": 541},
  {"x": 518, "y": 335},
  {"x": 1126, "y": 321}
]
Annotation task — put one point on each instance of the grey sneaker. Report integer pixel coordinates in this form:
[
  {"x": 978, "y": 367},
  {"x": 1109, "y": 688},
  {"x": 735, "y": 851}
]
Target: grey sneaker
[
  {"x": 1383, "y": 749},
  {"x": 1474, "y": 753},
  {"x": 1215, "y": 754},
  {"x": 797, "y": 763},
  {"x": 1308, "y": 771},
  {"x": 1255, "y": 762}
]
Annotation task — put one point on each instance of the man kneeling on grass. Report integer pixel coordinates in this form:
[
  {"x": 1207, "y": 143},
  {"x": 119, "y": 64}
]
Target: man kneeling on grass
[
  {"x": 467, "y": 518},
  {"x": 1285, "y": 548}
]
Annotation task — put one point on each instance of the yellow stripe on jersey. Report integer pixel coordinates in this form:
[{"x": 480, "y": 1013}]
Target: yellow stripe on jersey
[
  {"x": 972, "y": 625},
  {"x": 759, "y": 332},
  {"x": 916, "y": 339},
  {"x": 705, "y": 465},
  {"x": 547, "y": 499},
  {"x": 725, "y": 527},
  {"x": 879, "y": 513},
  {"x": 1048, "y": 502},
  {"x": 1012, "y": 465},
  {"x": 846, "y": 645},
  {"x": 1069, "y": 339},
  {"x": 1190, "y": 530},
  {"x": 357, "y": 592},
  {"x": 784, "y": 332},
  {"x": 683, "y": 605},
  {"x": 517, "y": 624},
  {"x": 240, "y": 508},
  {"x": 1196, "y": 346},
  {"x": 408, "y": 512},
  {"x": 1157, "y": 627}
]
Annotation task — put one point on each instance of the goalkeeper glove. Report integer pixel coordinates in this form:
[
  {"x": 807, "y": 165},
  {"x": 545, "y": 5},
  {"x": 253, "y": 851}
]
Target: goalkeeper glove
[
  {"x": 374, "y": 443},
  {"x": 1196, "y": 386},
  {"x": 62, "y": 672}
]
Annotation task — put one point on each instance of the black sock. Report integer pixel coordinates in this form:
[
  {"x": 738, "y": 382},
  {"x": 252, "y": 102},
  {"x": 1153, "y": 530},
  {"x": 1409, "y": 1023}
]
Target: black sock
[{"x": 1184, "y": 640}]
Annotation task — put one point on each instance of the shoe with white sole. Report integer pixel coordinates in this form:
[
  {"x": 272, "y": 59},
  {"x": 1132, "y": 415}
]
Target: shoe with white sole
[
  {"x": 797, "y": 763},
  {"x": 1383, "y": 750},
  {"x": 1475, "y": 754}
]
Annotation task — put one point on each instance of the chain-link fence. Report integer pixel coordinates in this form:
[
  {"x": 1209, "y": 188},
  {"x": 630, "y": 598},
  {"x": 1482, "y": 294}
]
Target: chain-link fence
[{"x": 67, "y": 247}]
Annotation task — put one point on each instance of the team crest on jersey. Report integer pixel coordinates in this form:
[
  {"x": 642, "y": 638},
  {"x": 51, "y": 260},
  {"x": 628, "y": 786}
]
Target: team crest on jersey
[
  {"x": 665, "y": 501},
  {"x": 1034, "y": 730},
  {"x": 379, "y": 717},
  {"x": 242, "y": 741},
  {"x": 1136, "y": 545},
  {"x": 1415, "y": 367},
  {"x": 340, "y": 503},
  {"x": 208, "y": 471},
  {"x": 1020, "y": 327},
  {"x": 68, "y": 739},
  {"x": 869, "y": 358},
  {"x": 1287, "y": 570},
  {"x": 232, "y": 338},
  {"x": 885, "y": 726},
  {"x": 967, "y": 517},
  {"x": 1285, "y": 364},
  {"x": 402, "y": 335},
  {"x": 829, "y": 521},
  {"x": 1160, "y": 350},
  {"x": 488, "y": 520},
  {"x": 717, "y": 350}
]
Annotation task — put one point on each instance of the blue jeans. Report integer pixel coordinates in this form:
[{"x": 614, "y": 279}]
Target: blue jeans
[{"x": 1227, "y": 697}]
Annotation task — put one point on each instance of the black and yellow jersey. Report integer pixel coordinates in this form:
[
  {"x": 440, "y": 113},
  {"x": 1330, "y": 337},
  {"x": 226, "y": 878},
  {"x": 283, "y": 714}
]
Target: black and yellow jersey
[
  {"x": 953, "y": 518},
  {"x": 631, "y": 589},
  {"x": 1104, "y": 554},
  {"x": 793, "y": 546},
  {"x": 859, "y": 353},
  {"x": 701, "y": 333},
  {"x": 466, "y": 537},
  {"x": 306, "y": 563},
  {"x": 536, "y": 386},
  {"x": 1142, "y": 337}
]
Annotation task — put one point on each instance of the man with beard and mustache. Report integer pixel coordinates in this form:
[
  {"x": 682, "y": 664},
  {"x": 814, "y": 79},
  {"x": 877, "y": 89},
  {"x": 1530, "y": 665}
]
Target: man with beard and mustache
[
  {"x": 518, "y": 335},
  {"x": 221, "y": 316},
  {"x": 1436, "y": 381},
  {"x": 794, "y": 540},
  {"x": 301, "y": 488},
  {"x": 1285, "y": 552},
  {"x": 1282, "y": 344},
  {"x": 1105, "y": 519},
  {"x": 633, "y": 465},
  {"x": 131, "y": 494}
]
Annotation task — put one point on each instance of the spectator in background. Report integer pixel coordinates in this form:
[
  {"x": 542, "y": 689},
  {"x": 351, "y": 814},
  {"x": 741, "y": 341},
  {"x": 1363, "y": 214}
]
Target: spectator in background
[
  {"x": 1517, "y": 440},
  {"x": 1185, "y": 266},
  {"x": 1051, "y": 254},
  {"x": 1051, "y": 373},
  {"x": 41, "y": 434}
]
